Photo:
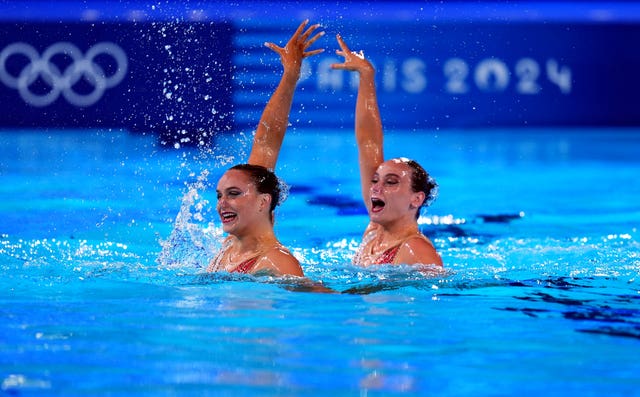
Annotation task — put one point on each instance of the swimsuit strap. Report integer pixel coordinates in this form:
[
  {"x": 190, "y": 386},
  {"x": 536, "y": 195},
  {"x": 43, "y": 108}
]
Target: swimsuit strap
[
  {"x": 245, "y": 266},
  {"x": 388, "y": 256}
]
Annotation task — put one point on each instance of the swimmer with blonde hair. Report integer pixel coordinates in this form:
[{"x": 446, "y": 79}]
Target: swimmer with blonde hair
[{"x": 393, "y": 190}]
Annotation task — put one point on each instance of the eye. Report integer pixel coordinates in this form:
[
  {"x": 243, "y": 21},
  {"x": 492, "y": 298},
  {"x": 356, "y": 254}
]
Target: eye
[
  {"x": 218, "y": 195},
  {"x": 392, "y": 181}
]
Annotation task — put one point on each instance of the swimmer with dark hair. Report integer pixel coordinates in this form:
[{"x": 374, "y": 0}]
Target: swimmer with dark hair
[
  {"x": 393, "y": 190},
  {"x": 248, "y": 193}
]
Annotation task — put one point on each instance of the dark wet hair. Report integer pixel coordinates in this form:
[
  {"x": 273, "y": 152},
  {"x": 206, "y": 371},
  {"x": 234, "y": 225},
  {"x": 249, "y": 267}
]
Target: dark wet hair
[
  {"x": 265, "y": 181},
  {"x": 421, "y": 181}
]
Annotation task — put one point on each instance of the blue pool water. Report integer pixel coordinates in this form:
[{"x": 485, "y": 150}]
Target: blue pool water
[{"x": 104, "y": 235}]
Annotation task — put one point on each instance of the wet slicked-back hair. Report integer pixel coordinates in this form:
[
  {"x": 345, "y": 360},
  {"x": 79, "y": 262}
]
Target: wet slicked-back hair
[
  {"x": 265, "y": 181},
  {"x": 421, "y": 181}
]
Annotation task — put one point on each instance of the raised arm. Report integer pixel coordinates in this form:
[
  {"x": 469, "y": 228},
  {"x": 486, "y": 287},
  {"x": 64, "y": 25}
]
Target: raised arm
[
  {"x": 368, "y": 124},
  {"x": 275, "y": 116}
]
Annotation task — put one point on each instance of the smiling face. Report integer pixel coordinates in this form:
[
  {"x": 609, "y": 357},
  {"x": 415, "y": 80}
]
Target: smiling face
[
  {"x": 240, "y": 205},
  {"x": 391, "y": 194}
]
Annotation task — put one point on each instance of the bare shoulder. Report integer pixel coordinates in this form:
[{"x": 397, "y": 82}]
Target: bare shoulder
[
  {"x": 215, "y": 264},
  {"x": 278, "y": 262},
  {"x": 418, "y": 250},
  {"x": 370, "y": 233}
]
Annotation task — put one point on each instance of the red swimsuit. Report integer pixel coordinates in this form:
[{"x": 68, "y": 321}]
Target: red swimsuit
[
  {"x": 388, "y": 256},
  {"x": 245, "y": 266}
]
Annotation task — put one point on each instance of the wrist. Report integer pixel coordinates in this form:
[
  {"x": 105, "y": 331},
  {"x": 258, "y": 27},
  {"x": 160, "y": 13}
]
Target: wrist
[
  {"x": 291, "y": 75},
  {"x": 367, "y": 75},
  {"x": 367, "y": 71}
]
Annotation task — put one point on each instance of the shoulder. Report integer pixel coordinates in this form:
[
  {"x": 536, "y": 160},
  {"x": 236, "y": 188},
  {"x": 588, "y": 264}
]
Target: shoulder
[
  {"x": 418, "y": 250},
  {"x": 215, "y": 264},
  {"x": 278, "y": 262},
  {"x": 370, "y": 233}
]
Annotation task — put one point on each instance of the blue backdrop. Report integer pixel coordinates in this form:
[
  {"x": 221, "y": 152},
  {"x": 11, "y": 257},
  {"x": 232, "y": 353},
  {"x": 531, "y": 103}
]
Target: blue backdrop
[
  {"x": 190, "y": 70},
  {"x": 473, "y": 74},
  {"x": 169, "y": 78}
]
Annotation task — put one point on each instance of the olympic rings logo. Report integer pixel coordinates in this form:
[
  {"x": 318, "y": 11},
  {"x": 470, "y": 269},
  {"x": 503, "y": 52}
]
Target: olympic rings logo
[{"x": 62, "y": 81}]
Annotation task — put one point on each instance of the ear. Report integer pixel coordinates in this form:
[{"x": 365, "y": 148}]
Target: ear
[
  {"x": 416, "y": 200},
  {"x": 265, "y": 201}
]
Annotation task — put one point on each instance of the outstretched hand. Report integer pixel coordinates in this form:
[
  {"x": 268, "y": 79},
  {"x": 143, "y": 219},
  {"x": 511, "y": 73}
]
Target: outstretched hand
[
  {"x": 292, "y": 54},
  {"x": 352, "y": 60}
]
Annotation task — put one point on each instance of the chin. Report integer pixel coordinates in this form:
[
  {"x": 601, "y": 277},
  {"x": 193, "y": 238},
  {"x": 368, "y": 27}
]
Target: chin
[
  {"x": 377, "y": 218},
  {"x": 227, "y": 228}
]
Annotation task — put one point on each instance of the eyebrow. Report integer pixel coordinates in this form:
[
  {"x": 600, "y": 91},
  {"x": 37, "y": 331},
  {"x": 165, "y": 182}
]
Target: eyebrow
[
  {"x": 387, "y": 175},
  {"x": 229, "y": 188}
]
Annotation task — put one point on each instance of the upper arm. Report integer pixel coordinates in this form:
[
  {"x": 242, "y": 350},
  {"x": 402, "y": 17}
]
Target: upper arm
[
  {"x": 369, "y": 158},
  {"x": 265, "y": 148},
  {"x": 418, "y": 251},
  {"x": 279, "y": 262},
  {"x": 273, "y": 123}
]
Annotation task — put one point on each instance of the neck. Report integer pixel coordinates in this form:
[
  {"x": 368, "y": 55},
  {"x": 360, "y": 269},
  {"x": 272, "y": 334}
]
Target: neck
[
  {"x": 255, "y": 242},
  {"x": 399, "y": 228}
]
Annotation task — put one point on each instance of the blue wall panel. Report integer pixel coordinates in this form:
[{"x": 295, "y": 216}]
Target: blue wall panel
[
  {"x": 475, "y": 74},
  {"x": 195, "y": 69},
  {"x": 169, "y": 78}
]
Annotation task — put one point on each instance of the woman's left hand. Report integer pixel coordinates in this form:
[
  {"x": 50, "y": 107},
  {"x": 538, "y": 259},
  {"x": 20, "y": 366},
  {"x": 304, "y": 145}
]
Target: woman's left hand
[
  {"x": 354, "y": 61},
  {"x": 292, "y": 54}
]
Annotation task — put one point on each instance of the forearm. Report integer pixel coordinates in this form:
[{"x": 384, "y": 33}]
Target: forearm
[
  {"x": 368, "y": 126},
  {"x": 275, "y": 116},
  {"x": 368, "y": 123},
  {"x": 274, "y": 121}
]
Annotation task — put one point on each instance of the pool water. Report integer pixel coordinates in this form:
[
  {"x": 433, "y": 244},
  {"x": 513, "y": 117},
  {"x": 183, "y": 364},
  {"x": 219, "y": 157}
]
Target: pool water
[{"x": 104, "y": 236}]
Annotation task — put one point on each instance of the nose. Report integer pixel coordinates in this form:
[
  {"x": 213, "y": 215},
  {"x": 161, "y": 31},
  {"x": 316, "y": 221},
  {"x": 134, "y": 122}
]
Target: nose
[
  {"x": 221, "y": 201},
  {"x": 376, "y": 187}
]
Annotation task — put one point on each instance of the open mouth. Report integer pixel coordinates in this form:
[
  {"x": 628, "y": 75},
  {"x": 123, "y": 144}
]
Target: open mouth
[
  {"x": 227, "y": 217},
  {"x": 377, "y": 205}
]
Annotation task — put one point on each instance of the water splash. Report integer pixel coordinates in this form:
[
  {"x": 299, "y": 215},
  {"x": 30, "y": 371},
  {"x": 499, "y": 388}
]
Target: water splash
[{"x": 193, "y": 240}]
